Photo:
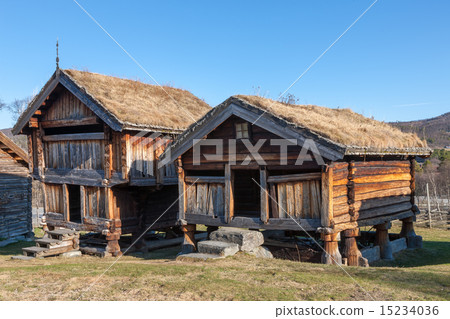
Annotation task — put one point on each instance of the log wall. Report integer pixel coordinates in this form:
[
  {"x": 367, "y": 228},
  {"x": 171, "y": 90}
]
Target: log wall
[
  {"x": 15, "y": 198},
  {"x": 365, "y": 190}
]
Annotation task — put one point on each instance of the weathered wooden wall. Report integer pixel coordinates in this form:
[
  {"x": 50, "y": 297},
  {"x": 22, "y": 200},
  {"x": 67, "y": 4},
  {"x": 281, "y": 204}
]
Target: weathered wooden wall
[
  {"x": 15, "y": 198},
  {"x": 370, "y": 189}
]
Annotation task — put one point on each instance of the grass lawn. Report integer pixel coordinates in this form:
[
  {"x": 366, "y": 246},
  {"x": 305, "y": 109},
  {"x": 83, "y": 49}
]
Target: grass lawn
[{"x": 421, "y": 274}]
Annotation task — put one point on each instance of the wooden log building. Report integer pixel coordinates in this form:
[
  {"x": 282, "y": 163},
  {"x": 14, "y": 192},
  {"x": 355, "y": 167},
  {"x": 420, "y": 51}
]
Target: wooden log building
[
  {"x": 95, "y": 141},
  {"x": 319, "y": 170},
  {"x": 15, "y": 191}
]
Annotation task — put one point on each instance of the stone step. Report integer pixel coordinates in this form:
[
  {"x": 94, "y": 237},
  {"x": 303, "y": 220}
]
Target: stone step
[
  {"x": 22, "y": 257},
  {"x": 62, "y": 231},
  {"x": 215, "y": 247},
  {"x": 197, "y": 257},
  {"x": 247, "y": 240},
  {"x": 33, "y": 251}
]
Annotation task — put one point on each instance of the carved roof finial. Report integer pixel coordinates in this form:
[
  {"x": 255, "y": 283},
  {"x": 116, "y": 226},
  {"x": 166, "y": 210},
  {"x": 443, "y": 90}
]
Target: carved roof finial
[{"x": 57, "y": 54}]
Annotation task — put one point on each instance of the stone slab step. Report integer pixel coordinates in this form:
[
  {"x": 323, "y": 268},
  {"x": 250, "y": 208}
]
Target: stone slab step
[
  {"x": 22, "y": 257},
  {"x": 34, "y": 249},
  {"x": 215, "y": 247},
  {"x": 197, "y": 257},
  {"x": 247, "y": 240}
]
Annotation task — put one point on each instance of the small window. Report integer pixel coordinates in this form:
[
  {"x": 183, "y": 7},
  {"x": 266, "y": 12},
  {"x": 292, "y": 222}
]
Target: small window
[{"x": 242, "y": 130}]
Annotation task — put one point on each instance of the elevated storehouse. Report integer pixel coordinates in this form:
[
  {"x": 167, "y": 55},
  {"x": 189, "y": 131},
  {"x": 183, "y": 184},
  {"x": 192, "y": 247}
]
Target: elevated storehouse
[
  {"x": 15, "y": 191},
  {"x": 256, "y": 163},
  {"x": 95, "y": 141}
]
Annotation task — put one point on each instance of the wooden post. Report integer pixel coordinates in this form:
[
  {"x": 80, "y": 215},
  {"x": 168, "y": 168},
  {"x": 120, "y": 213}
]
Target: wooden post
[
  {"x": 229, "y": 196},
  {"x": 108, "y": 152},
  {"x": 382, "y": 240},
  {"x": 82, "y": 203},
  {"x": 189, "y": 244},
  {"x": 264, "y": 195},
  {"x": 331, "y": 255},
  {"x": 273, "y": 200},
  {"x": 326, "y": 214},
  {"x": 429, "y": 207},
  {"x": 109, "y": 200},
  {"x": 351, "y": 251},
  {"x": 30, "y": 152},
  {"x": 124, "y": 161},
  {"x": 182, "y": 202},
  {"x": 413, "y": 180},
  {"x": 40, "y": 151},
  {"x": 113, "y": 246},
  {"x": 351, "y": 191},
  {"x": 412, "y": 240},
  {"x": 66, "y": 209}
]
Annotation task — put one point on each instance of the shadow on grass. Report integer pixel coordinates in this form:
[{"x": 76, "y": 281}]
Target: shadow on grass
[
  {"x": 15, "y": 248},
  {"x": 432, "y": 253}
]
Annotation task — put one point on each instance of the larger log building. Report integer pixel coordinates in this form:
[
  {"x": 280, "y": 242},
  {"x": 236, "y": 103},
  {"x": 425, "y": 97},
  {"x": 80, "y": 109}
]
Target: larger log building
[
  {"x": 95, "y": 141},
  {"x": 256, "y": 163},
  {"x": 15, "y": 191}
]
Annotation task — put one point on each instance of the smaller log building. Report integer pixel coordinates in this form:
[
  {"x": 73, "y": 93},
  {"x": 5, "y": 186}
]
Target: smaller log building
[
  {"x": 15, "y": 191},
  {"x": 256, "y": 163},
  {"x": 95, "y": 141}
]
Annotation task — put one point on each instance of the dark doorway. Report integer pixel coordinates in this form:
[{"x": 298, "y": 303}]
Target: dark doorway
[
  {"x": 247, "y": 193},
  {"x": 74, "y": 203}
]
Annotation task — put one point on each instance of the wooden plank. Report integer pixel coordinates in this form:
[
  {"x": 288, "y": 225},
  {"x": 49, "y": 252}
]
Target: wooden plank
[
  {"x": 82, "y": 202},
  {"x": 316, "y": 199},
  {"x": 191, "y": 199},
  {"x": 383, "y": 193},
  {"x": 264, "y": 195},
  {"x": 282, "y": 203},
  {"x": 202, "y": 197},
  {"x": 293, "y": 177},
  {"x": 74, "y": 137},
  {"x": 219, "y": 202},
  {"x": 273, "y": 200},
  {"x": 229, "y": 196},
  {"x": 205, "y": 179},
  {"x": 382, "y": 164},
  {"x": 182, "y": 202},
  {"x": 66, "y": 202},
  {"x": 290, "y": 200},
  {"x": 382, "y": 178},
  {"x": 307, "y": 199},
  {"x": 91, "y": 120},
  {"x": 367, "y": 171},
  {"x": 298, "y": 195},
  {"x": 327, "y": 198},
  {"x": 212, "y": 194}
]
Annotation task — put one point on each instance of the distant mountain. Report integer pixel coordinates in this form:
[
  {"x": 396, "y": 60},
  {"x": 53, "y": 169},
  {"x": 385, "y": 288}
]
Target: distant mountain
[
  {"x": 20, "y": 140},
  {"x": 436, "y": 131}
]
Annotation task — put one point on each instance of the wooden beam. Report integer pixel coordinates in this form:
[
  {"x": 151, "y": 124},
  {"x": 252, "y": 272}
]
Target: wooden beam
[
  {"x": 66, "y": 211},
  {"x": 74, "y": 137},
  {"x": 108, "y": 152},
  {"x": 205, "y": 179},
  {"x": 40, "y": 152},
  {"x": 413, "y": 179},
  {"x": 264, "y": 195},
  {"x": 182, "y": 202},
  {"x": 326, "y": 215},
  {"x": 124, "y": 162},
  {"x": 82, "y": 203},
  {"x": 91, "y": 120},
  {"x": 294, "y": 178},
  {"x": 229, "y": 196}
]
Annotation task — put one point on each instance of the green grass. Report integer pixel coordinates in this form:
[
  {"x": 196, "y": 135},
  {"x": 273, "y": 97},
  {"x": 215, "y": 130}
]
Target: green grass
[{"x": 420, "y": 274}]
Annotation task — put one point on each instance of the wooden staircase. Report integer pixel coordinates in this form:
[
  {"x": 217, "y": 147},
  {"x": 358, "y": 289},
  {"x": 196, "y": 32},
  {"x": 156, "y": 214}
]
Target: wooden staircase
[{"x": 54, "y": 242}]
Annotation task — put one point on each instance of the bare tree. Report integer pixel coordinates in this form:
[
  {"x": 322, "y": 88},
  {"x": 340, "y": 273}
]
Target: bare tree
[{"x": 17, "y": 107}]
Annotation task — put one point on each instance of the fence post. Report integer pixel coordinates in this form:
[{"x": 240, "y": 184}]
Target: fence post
[{"x": 429, "y": 207}]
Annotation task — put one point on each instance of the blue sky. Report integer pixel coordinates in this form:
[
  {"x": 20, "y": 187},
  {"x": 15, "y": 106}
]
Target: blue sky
[{"x": 394, "y": 64}]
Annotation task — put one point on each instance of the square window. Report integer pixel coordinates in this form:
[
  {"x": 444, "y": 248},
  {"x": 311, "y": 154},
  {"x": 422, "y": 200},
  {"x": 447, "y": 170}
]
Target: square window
[{"x": 242, "y": 130}]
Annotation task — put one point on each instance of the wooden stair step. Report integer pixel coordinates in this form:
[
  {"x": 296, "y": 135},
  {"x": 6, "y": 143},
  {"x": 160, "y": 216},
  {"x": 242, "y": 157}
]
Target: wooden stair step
[
  {"x": 34, "y": 249},
  {"x": 62, "y": 232},
  {"x": 47, "y": 241}
]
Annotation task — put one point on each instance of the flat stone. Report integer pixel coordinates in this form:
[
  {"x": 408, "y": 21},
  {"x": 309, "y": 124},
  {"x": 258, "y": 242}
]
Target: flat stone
[
  {"x": 246, "y": 239},
  {"x": 71, "y": 254},
  {"x": 261, "y": 252},
  {"x": 197, "y": 257},
  {"x": 215, "y": 247},
  {"x": 398, "y": 245},
  {"x": 414, "y": 241},
  {"x": 371, "y": 254},
  {"x": 22, "y": 257}
]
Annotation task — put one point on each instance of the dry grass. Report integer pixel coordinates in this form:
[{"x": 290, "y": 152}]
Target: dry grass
[
  {"x": 421, "y": 274},
  {"x": 340, "y": 125},
  {"x": 142, "y": 104}
]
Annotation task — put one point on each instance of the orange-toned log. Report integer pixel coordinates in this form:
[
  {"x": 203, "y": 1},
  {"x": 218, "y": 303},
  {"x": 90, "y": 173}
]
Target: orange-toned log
[
  {"x": 331, "y": 255},
  {"x": 189, "y": 244}
]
